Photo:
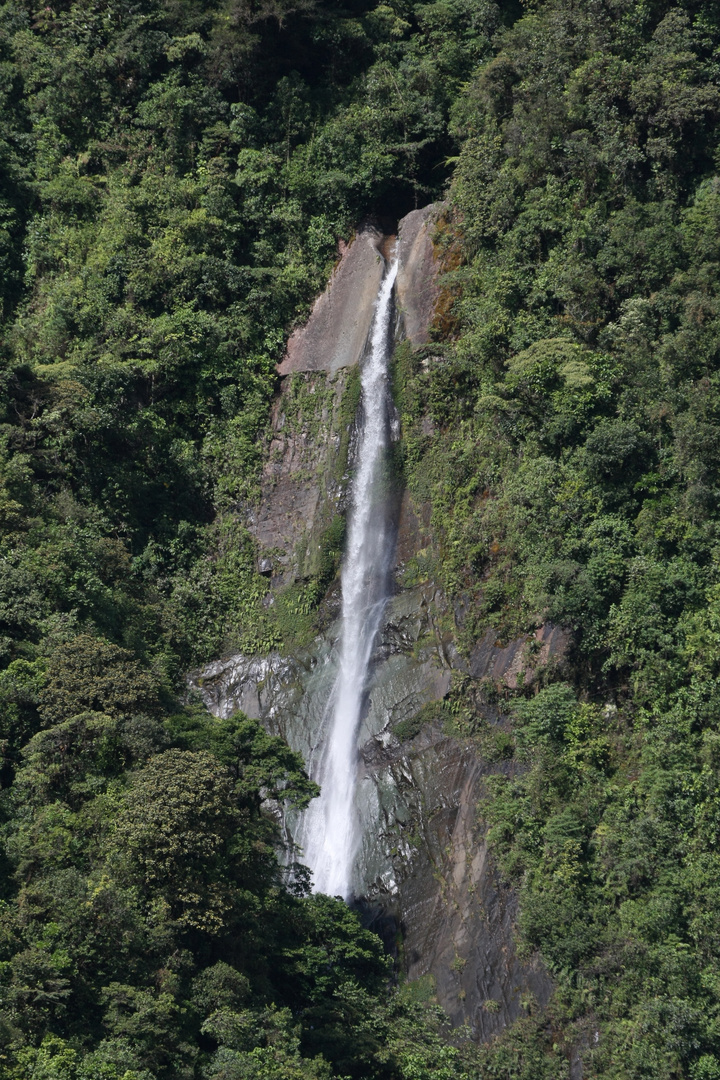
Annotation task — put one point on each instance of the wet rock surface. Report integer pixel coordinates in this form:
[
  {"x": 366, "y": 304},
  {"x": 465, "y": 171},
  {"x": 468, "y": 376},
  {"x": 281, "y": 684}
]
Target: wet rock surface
[
  {"x": 456, "y": 918},
  {"x": 424, "y": 869}
]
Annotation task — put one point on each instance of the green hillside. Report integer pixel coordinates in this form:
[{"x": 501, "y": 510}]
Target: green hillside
[{"x": 174, "y": 178}]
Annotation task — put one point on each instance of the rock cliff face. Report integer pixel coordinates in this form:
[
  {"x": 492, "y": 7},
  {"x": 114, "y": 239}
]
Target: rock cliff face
[
  {"x": 424, "y": 867},
  {"x": 336, "y": 333},
  {"x": 417, "y": 289},
  {"x": 304, "y": 479}
]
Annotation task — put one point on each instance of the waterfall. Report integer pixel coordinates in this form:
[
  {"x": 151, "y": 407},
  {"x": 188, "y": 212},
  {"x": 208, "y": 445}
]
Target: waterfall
[{"x": 330, "y": 832}]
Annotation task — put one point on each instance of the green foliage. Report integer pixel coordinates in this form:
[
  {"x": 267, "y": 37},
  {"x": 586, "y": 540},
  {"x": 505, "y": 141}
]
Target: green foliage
[
  {"x": 257, "y": 761},
  {"x": 174, "y": 178},
  {"x": 563, "y": 431},
  {"x": 157, "y": 933},
  {"x": 73, "y": 759},
  {"x": 173, "y": 831},
  {"x": 174, "y": 184},
  {"x": 88, "y": 673}
]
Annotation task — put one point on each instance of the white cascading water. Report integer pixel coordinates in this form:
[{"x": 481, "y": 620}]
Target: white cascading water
[{"x": 330, "y": 833}]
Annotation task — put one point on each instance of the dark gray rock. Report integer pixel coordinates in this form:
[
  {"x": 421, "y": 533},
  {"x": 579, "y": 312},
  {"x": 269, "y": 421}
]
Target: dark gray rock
[
  {"x": 457, "y": 919},
  {"x": 518, "y": 662}
]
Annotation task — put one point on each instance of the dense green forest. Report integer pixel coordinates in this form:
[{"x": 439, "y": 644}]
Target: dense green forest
[{"x": 174, "y": 178}]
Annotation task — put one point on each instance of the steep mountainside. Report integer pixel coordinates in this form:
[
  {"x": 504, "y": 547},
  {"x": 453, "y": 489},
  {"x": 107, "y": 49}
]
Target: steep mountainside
[{"x": 179, "y": 408}]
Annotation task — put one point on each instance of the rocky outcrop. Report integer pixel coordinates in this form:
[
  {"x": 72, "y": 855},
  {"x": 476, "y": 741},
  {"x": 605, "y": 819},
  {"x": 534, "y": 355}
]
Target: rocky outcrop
[
  {"x": 424, "y": 867},
  {"x": 417, "y": 289},
  {"x": 336, "y": 333},
  {"x": 455, "y": 916},
  {"x": 519, "y": 662},
  {"x": 304, "y": 478},
  {"x": 312, "y": 425}
]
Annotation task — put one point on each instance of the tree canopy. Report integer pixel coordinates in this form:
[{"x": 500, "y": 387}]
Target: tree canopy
[{"x": 174, "y": 178}]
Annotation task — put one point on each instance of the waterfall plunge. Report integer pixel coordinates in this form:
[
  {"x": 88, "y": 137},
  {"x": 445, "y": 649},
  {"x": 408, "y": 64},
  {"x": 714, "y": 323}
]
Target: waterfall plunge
[{"x": 330, "y": 832}]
